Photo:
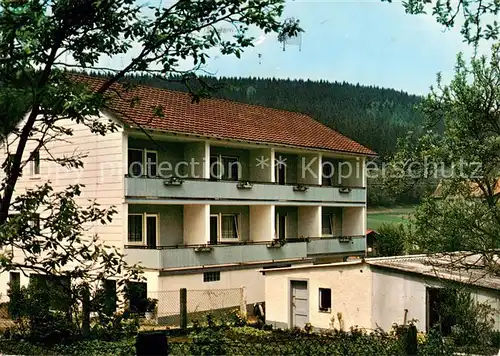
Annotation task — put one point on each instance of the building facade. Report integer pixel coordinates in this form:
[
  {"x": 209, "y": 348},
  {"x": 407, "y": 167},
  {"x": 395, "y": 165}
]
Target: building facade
[
  {"x": 213, "y": 192},
  {"x": 370, "y": 294}
]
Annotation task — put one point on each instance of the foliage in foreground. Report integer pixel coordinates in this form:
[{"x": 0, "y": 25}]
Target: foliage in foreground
[{"x": 465, "y": 155}]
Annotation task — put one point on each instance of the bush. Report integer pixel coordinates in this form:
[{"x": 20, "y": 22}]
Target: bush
[
  {"x": 474, "y": 320},
  {"x": 392, "y": 239},
  {"x": 208, "y": 342},
  {"x": 115, "y": 327},
  {"x": 34, "y": 317},
  {"x": 81, "y": 348}
]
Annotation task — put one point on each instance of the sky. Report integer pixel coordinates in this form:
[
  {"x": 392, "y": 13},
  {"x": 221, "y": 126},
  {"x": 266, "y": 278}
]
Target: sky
[{"x": 365, "y": 42}]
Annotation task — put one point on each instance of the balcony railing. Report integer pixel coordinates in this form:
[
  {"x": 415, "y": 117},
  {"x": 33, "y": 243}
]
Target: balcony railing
[
  {"x": 185, "y": 256},
  {"x": 205, "y": 189}
]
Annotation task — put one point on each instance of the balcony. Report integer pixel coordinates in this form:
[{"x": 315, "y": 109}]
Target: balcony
[
  {"x": 147, "y": 188},
  {"x": 174, "y": 257},
  {"x": 212, "y": 255},
  {"x": 336, "y": 245}
]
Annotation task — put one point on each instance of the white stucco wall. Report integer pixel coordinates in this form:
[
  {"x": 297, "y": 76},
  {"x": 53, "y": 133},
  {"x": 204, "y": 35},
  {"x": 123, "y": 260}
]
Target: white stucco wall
[
  {"x": 261, "y": 222},
  {"x": 366, "y": 296},
  {"x": 354, "y": 221},
  {"x": 393, "y": 292},
  {"x": 309, "y": 221},
  {"x": 235, "y": 288},
  {"x": 351, "y": 294},
  {"x": 196, "y": 222},
  {"x": 102, "y": 175}
]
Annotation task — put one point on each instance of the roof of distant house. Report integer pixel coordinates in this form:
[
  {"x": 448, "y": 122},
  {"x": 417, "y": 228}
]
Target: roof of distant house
[
  {"x": 444, "y": 266},
  {"x": 475, "y": 190},
  {"x": 223, "y": 119}
]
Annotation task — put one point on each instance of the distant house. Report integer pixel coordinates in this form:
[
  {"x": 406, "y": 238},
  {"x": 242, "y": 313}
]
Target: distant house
[
  {"x": 439, "y": 192},
  {"x": 373, "y": 293}
]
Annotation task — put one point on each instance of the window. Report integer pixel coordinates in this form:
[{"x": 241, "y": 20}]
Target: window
[
  {"x": 231, "y": 168},
  {"x": 214, "y": 168},
  {"x": 15, "y": 280},
  {"x": 151, "y": 163},
  {"x": 35, "y": 163},
  {"x": 327, "y": 177},
  {"x": 135, "y": 163},
  {"x": 326, "y": 224},
  {"x": 137, "y": 296},
  {"x": 135, "y": 228},
  {"x": 9, "y": 161},
  {"x": 211, "y": 276},
  {"x": 280, "y": 226},
  {"x": 325, "y": 299},
  {"x": 34, "y": 224},
  {"x": 143, "y": 225},
  {"x": 280, "y": 171},
  {"x": 151, "y": 230},
  {"x": 229, "y": 227},
  {"x": 224, "y": 168},
  {"x": 224, "y": 227},
  {"x": 109, "y": 287}
]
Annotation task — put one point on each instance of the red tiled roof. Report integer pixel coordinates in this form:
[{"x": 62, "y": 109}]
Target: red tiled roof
[{"x": 224, "y": 119}]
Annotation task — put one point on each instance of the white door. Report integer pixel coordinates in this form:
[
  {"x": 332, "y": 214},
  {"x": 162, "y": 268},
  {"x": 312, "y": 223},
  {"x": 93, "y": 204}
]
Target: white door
[{"x": 300, "y": 304}]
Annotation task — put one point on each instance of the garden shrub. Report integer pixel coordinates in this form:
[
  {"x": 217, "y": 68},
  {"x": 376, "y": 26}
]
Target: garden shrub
[
  {"x": 32, "y": 309},
  {"x": 81, "y": 348},
  {"x": 115, "y": 327}
]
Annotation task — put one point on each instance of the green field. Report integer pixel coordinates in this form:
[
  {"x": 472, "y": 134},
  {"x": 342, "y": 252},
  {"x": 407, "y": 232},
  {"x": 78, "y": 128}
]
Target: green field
[{"x": 379, "y": 216}]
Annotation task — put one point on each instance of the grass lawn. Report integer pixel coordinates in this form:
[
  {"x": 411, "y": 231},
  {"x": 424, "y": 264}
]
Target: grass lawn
[{"x": 379, "y": 216}]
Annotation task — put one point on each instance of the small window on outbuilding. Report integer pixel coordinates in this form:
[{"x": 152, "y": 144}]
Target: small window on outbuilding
[
  {"x": 325, "y": 299},
  {"x": 211, "y": 276}
]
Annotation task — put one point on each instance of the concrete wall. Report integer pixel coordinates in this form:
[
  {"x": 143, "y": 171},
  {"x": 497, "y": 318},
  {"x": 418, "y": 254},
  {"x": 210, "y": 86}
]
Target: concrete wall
[
  {"x": 393, "y": 292},
  {"x": 351, "y": 295},
  {"x": 309, "y": 168},
  {"x": 354, "y": 221},
  {"x": 367, "y": 296},
  {"x": 198, "y": 152},
  {"x": 196, "y": 224},
  {"x": 251, "y": 279},
  {"x": 235, "y": 288},
  {"x": 262, "y": 220},
  {"x": 102, "y": 175},
  {"x": 171, "y": 221},
  {"x": 261, "y": 172},
  {"x": 309, "y": 221}
]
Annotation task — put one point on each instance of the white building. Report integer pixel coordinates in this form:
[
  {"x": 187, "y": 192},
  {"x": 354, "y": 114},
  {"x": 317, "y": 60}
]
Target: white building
[
  {"x": 370, "y": 294},
  {"x": 215, "y": 191}
]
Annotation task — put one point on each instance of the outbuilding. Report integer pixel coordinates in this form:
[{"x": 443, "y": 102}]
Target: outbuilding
[{"x": 371, "y": 293}]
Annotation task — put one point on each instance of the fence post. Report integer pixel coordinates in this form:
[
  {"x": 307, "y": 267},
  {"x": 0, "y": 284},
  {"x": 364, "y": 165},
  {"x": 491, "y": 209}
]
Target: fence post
[
  {"x": 243, "y": 301},
  {"x": 86, "y": 310},
  {"x": 410, "y": 340},
  {"x": 183, "y": 310}
]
